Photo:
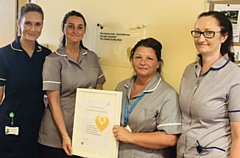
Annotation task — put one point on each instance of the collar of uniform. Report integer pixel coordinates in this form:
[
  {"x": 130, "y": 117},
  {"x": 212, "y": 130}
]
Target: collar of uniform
[
  {"x": 151, "y": 86},
  {"x": 219, "y": 64},
  {"x": 197, "y": 68},
  {"x": 61, "y": 51},
  {"x": 15, "y": 45}
]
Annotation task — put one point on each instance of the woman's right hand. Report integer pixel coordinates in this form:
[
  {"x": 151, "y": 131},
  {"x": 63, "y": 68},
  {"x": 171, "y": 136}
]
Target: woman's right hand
[
  {"x": 67, "y": 145},
  {"x": 54, "y": 104},
  {"x": 122, "y": 134}
]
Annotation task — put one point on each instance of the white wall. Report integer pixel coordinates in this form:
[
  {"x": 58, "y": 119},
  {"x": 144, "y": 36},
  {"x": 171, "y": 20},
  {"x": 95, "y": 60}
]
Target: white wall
[
  {"x": 169, "y": 21},
  {"x": 8, "y": 21}
]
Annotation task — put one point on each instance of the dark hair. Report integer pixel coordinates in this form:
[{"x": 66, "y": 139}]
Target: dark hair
[
  {"x": 151, "y": 43},
  {"x": 226, "y": 29},
  {"x": 30, "y": 7},
  {"x": 72, "y": 13}
]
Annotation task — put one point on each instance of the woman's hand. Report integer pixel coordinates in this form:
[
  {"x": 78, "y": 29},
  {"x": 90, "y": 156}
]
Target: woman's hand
[
  {"x": 67, "y": 145},
  {"x": 54, "y": 104},
  {"x": 122, "y": 134},
  {"x": 150, "y": 140},
  {"x": 98, "y": 86}
]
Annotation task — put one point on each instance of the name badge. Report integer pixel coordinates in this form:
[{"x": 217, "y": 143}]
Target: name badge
[{"x": 11, "y": 130}]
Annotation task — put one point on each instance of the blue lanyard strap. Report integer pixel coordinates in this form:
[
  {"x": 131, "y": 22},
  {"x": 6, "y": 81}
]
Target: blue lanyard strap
[{"x": 128, "y": 111}]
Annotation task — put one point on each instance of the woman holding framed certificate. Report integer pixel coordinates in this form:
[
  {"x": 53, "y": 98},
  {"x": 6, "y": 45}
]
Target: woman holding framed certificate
[
  {"x": 150, "y": 119},
  {"x": 72, "y": 66}
]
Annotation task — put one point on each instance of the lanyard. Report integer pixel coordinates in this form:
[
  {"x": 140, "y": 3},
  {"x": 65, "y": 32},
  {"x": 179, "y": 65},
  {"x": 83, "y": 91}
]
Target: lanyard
[{"x": 128, "y": 111}]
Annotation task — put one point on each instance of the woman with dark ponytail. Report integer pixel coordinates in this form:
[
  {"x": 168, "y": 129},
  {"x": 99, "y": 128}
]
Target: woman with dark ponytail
[
  {"x": 72, "y": 66},
  {"x": 72, "y": 13},
  {"x": 209, "y": 93}
]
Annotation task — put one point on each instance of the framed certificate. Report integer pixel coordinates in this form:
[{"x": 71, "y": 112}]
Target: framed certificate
[{"x": 96, "y": 112}]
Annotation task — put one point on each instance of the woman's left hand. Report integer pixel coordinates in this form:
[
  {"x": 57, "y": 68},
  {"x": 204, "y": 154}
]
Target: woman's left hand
[{"x": 122, "y": 134}]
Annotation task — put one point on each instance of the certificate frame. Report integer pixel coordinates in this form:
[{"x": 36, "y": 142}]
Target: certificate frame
[
  {"x": 228, "y": 4},
  {"x": 96, "y": 112}
]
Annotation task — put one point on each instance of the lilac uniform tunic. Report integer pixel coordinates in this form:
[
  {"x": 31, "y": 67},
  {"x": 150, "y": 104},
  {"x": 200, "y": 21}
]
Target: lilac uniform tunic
[
  {"x": 209, "y": 102},
  {"x": 158, "y": 110},
  {"x": 62, "y": 73}
]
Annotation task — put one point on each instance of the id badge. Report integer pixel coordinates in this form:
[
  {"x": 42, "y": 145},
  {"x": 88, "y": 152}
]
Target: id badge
[
  {"x": 128, "y": 128},
  {"x": 11, "y": 130}
]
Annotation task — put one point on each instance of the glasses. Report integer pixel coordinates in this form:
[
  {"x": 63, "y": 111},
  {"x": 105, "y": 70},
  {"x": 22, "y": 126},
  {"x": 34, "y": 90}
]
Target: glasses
[{"x": 206, "y": 34}]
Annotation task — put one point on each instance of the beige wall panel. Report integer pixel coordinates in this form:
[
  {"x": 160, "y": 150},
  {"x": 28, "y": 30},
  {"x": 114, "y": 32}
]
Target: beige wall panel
[
  {"x": 169, "y": 21},
  {"x": 8, "y": 21},
  {"x": 21, "y": 3}
]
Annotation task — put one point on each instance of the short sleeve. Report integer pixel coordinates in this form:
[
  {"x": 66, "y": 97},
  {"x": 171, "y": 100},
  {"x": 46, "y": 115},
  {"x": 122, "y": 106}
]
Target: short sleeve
[
  {"x": 169, "y": 120},
  {"x": 234, "y": 103},
  {"x": 2, "y": 70},
  {"x": 101, "y": 78},
  {"x": 51, "y": 74}
]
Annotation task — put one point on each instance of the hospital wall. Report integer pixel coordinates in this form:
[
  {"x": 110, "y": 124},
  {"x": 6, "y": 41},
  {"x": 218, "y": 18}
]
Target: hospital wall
[
  {"x": 8, "y": 21},
  {"x": 169, "y": 21}
]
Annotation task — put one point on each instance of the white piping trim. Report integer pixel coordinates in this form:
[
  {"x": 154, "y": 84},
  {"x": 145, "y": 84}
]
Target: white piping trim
[
  {"x": 63, "y": 55},
  {"x": 100, "y": 76},
  {"x": 3, "y": 79},
  {"x": 15, "y": 48},
  {"x": 39, "y": 49},
  {"x": 170, "y": 124},
  {"x": 51, "y": 82},
  {"x": 84, "y": 53},
  {"x": 150, "y": 89},
  {"x": 154, "y": 87}
]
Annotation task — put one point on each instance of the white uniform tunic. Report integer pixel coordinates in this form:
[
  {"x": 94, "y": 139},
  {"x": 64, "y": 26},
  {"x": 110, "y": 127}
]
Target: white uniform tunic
[{"x": 209, "y": 102}]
